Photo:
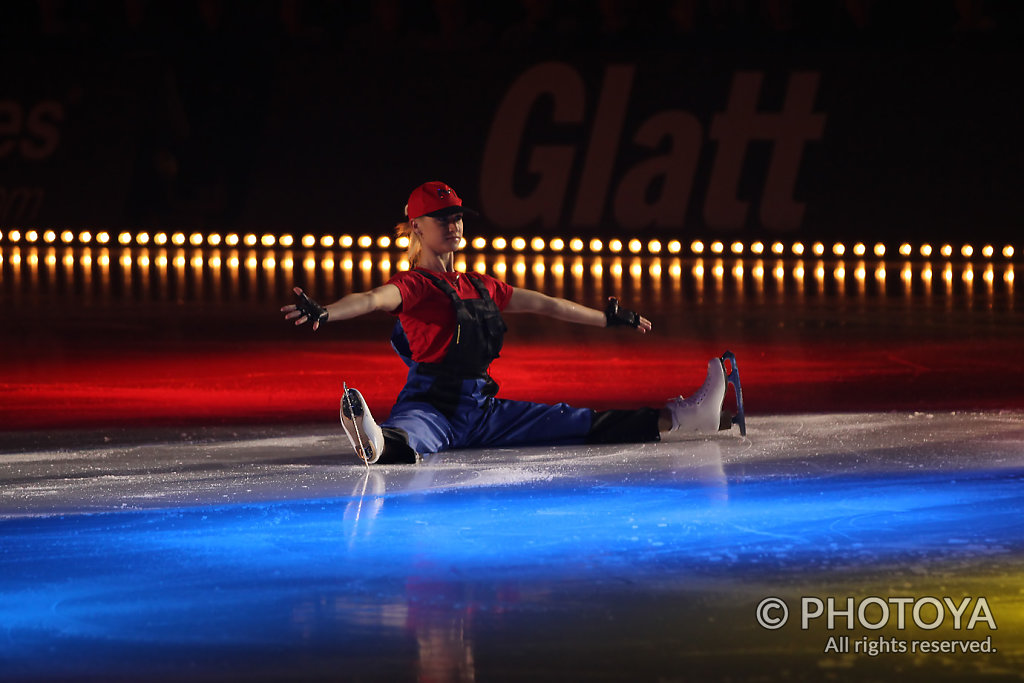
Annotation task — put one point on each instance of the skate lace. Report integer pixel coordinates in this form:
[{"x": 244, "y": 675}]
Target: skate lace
[{"x": 694, "y": 399}]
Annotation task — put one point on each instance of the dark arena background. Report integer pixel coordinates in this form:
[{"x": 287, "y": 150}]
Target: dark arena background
[{"x": 830, "y": 189}]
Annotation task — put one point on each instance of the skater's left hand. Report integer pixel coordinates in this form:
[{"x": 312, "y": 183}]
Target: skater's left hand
[
  {"x": 615, "y": 315},
  {"x": 305, "y": 309}
]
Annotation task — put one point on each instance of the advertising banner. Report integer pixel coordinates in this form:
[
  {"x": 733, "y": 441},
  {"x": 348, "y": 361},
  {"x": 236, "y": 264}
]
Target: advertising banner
[{"x": 855, "y": 144}]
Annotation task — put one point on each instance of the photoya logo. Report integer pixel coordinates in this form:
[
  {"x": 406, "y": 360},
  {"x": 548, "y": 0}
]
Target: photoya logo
[
  {"x": 552, "y": 99},
  {"x": 873, "y": 613}
]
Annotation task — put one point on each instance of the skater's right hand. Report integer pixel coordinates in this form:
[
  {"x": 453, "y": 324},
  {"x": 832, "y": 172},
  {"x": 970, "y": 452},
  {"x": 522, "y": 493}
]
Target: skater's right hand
[{"x": 304, "y": 309}]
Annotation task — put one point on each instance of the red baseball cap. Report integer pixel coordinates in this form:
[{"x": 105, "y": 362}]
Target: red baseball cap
[{"x": 434, "y": 199}]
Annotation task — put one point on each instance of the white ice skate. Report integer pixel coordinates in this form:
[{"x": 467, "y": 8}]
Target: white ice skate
[
  {"x": 362, "y": 432},
  {"x": 702, "y": 412}
]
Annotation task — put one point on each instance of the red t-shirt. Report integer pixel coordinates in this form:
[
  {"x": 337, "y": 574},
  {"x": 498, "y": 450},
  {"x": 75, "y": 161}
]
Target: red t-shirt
[{"x": 426, "y": 312}]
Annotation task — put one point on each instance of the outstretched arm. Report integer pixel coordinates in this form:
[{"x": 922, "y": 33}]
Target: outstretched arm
[
  {"x": 383, "y": 298},
  {"x": 530, "y": 301}
]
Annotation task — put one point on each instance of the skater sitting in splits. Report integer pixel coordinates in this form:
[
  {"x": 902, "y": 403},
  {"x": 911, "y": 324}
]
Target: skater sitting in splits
[{"x": 450, "y": 328}]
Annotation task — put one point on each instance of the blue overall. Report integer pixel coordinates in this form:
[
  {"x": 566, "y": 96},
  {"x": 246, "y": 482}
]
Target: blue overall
[{"x": 452, "y": 404}]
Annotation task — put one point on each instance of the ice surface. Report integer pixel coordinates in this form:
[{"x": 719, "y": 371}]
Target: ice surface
[{"x": 272, "y": 553}]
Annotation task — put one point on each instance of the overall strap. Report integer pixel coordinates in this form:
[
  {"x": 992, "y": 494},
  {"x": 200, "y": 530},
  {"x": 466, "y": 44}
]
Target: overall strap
[
  {"x": 443, "y": 286},
  {"x": 480, "y": 287}
]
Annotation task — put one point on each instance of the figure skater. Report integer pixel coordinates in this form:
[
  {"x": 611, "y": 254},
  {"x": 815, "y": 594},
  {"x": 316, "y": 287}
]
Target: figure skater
[{"x": 450, "y": 328}]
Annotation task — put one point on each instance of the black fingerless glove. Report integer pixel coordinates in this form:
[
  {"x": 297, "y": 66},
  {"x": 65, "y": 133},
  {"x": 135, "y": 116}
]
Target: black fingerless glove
[
  {"x": 314, "y": 312},
  {"x": 615, "y": 315}
]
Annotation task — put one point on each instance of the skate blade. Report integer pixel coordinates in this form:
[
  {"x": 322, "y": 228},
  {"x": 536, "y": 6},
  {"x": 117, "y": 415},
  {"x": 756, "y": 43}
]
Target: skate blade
[
  {"x": 351, "y": 412},
  {"x": 733, "y": 377}
]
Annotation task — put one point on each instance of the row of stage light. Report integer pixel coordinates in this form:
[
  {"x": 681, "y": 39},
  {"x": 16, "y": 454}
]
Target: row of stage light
[
  {"x": 519, "y": 265},
  {"x": 576, "y": 245}
]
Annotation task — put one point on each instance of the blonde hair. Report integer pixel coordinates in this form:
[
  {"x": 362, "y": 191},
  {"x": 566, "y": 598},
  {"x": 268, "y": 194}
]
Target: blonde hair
[{"x": 404, "y": 229}]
